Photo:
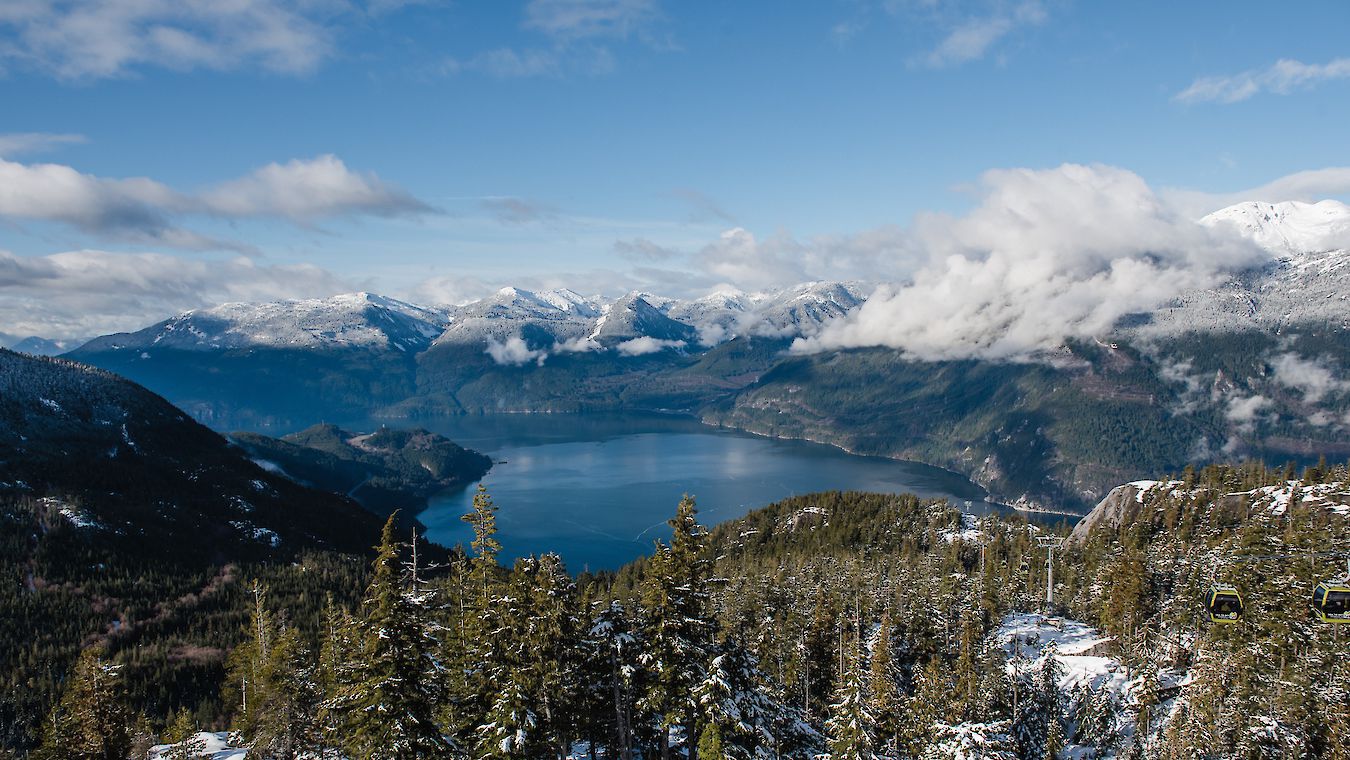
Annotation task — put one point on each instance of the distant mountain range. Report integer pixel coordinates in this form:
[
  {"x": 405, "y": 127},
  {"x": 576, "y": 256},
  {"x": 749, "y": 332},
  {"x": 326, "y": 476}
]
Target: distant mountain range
[
  {"x": 561, "y": 319},
  {"x": 1251, "y": 367}
]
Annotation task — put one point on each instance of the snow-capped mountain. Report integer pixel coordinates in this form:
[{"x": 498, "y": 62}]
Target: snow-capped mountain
[
  {"x": 353, "y": 320},
  {"x": 547, "y": 316},
  {"x": 791, "y": 312},
  {"x": 546, "y": 320},
  {"x": 633, "y": 317},
  {"x": 802, "y": 310},
  {"x": 1306, "y": 281},
  {"x": 38, "y": 346},
  {"x": 566, "y": 319},
  {"x": 1291, "y": 227}
]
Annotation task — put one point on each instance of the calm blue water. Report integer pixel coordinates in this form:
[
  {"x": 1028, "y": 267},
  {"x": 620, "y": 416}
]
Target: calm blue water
[{"x": 597, "y": 489}]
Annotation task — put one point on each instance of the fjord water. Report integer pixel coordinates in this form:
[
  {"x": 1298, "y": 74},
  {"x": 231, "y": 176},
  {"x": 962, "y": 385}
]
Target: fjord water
[{"x": 598, "y": 489}]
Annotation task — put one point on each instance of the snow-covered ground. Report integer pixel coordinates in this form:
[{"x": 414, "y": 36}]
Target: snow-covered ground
[
  {"x": 1078, "y": 648},
  {"x": 216, "y": 746},
  {"x": 1277, "y": 499},
  {"x": 1083, "y": 656}
]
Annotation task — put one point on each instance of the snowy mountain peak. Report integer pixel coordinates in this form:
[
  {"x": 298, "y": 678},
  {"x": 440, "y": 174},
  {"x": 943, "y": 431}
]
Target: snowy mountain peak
[
  {"x": 634, "y": 316},
  {"x": 350, "y": 320},
  {"x": 543, "y": 319},
  {"x": 1291, "y": 227}
]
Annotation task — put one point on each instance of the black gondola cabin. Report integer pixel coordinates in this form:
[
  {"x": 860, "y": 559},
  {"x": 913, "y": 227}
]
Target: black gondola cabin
[
  {"x": 1224, "y": 604},
  {"x": 1331, "y": 601}
]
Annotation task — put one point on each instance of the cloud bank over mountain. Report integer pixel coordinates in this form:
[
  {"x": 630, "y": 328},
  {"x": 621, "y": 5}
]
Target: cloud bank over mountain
[{"x": 1046, "y": 255}]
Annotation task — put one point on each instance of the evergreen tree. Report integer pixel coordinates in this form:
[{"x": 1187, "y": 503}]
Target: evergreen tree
[
  {"x": 335, "y": 671},
  {"x": 740, "y": 715},
  {"x": 1146, "y": 699},
  {"x": 477, "y": 654},
  {"x": 289, "y": 699},
  {"x": 387, "y": 704},
  {"x": 246, "y": 663},
  {"x": 485, "y": 545},
  {"x": 885, "y": 699},
  {"x": 92, "y": 721},
  {"x": 616, "y": 647},
  {"x": 971, "y": 741},
  {"x": 1096, "y": 720},
  {"x": 925, "y": 707},
  {"x": 995, "y": 694},
  {"x": 677, "y": 629},
  {"x": 555, "y": 655},
  {"x": 851, "y": 728},
  {"x": 817, "y": 656},
  {"x": 182, "y": 738},
  {"x": 1038, "y": 726},
  {"x": 967, "y": 676},
  {"x": 511, "y": 727}
]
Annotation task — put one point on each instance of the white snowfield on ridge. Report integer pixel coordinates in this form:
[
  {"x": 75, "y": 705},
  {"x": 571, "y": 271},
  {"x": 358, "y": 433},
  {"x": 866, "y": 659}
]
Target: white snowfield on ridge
[
  {"x": 1290, "y": 227},
  {"x": 1307, "y": 280}
]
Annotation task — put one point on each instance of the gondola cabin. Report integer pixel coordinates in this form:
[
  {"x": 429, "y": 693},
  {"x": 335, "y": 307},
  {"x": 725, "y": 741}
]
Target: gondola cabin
[
  {"x": 1224, "y": 604},
  {"x": 1331, "y": 601}
]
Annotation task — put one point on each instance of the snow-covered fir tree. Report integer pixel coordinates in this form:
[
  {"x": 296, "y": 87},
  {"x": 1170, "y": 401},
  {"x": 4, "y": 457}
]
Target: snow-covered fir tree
[
  {"x": 677, "y": 630},
  {"x": 851, "y": 728},
  {"x": 388, "y": 703}
]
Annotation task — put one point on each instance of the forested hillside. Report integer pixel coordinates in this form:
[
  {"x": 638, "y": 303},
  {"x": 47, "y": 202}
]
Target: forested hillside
[
  {"x": 840, "y": 624},
  {"x": 384, "y": 471}
]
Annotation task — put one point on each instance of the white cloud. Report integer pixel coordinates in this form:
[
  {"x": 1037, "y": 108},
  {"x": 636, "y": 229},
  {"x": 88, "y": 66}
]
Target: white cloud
[
  {"x": 1311, "y": 377},
  {"x": 140, "y": 209},
  {"x": 124, "y": 208},
  {"x": 449, "y": 289},
  {"x": 1246, "y": 411},
  {"x": 89, "y": 39},
  {"x": 17, "y": 143},
  {"x": 81, "y": 294},
  {"x": 646, "y": 345},
  {"x": 588, "y": 19},
  {"x": 579, "y": 345},
  {"x": 514, "y": 352},
  {"x": 975, "y": 36},
  {"x": 1047, "y": 255},
  {"x": 739, "y": 257},
  {"x": 309, "y": 189},
  {"x": 1281, "y": 78}
]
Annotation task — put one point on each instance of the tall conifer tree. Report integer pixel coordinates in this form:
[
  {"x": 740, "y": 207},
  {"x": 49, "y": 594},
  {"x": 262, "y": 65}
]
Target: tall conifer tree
[{"x": 388, "y": 704}]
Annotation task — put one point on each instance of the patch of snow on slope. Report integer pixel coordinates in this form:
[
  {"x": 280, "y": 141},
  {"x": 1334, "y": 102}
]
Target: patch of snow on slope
[
  {"x": 969, "y": 532},
  {"x": 216, "y": 746},
  {"x": 1079, "y": 648},
  {"x": 1276, "y": 500},
  {"x": 1142, "y": 487}
]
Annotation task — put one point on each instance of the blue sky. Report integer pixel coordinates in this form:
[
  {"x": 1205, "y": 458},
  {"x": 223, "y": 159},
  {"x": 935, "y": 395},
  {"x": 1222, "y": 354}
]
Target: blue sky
[{"x": 435, "y": 150}]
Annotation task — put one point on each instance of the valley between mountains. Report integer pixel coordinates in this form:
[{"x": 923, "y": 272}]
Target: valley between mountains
[{"x": 1250, "y": 367}]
